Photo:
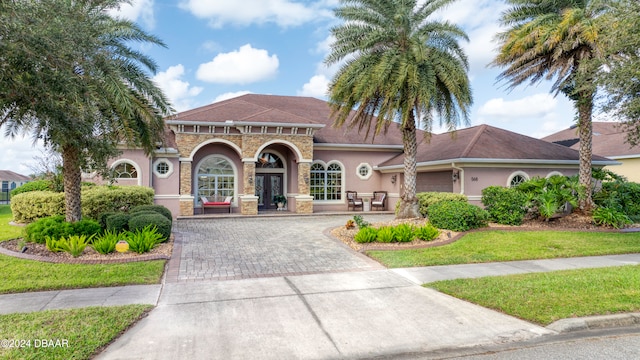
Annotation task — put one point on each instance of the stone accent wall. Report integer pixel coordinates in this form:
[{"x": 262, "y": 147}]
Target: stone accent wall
[
  {"x": 252, "y": 142},
  {"x": 188, "y": 142},
  {"x": 249, "y": 173},
  {"x": 304, "y": 176},
  {"x": 249, "y": 205},
  {"x": 304, "y": 204},
  {"x": 185, "y": 178},
  {"x": 186, "y": 207}
]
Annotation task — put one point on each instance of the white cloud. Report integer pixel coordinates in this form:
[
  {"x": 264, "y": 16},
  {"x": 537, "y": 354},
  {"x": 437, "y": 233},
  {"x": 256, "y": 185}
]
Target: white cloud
[
  {"x": 137, "y": 10},
  {"x": 177, "y": 90},
  {"x": 284, "y": 13},
  {"x": 230, "y": 95},
  {"x": 317, "y": 87},
  {"x": 534, "y": 106},
  {"x": 18, "y": 154},
  {"x": 243, "y": 66}
]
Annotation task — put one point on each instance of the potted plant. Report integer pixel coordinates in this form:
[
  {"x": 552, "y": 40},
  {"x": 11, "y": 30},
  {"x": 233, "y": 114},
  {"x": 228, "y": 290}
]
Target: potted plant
[{"x": 281, "y": 200}]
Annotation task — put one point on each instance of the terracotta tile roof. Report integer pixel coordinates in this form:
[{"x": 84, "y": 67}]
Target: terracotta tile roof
[
  {"x": 489, "y": 143},
  {"x": 8, "y": 175},
  {"x": 289, "y": 110},
  {"x": 608, "y": 140}
]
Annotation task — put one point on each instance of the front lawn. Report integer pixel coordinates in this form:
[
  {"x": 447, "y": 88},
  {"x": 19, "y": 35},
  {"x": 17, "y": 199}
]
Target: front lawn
[
  {"x": 65, "y": 334},
  {"x": 546, "y": 297},
  {"x": 20, "y": 275},
  {"x": 493, "y": 246},
  {"x": 8, "y": 232}
]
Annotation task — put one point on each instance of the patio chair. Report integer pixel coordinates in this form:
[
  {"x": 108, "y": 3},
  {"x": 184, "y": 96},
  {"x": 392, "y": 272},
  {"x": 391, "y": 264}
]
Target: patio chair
[
  {"x": 353, "y": 201},
  {"x": 379, "y": 200}
]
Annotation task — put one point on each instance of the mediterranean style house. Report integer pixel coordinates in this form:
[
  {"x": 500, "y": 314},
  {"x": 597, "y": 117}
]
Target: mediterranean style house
[
  {"x": 608, "y": 140},
  {"x": 252, "y": 148}
]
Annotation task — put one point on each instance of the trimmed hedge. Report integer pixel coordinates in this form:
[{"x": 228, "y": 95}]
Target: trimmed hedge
[
  {"x": 426, "y": 199},
  {"x": 140, "y": 220},
  {"x": 29, "y": 206},
  {"x": 36, "y": 185},
  {"x": 56, "y": 228},
  {"x": 118, "y": 222},
  {"x": 457, "y": 216},
  {"x": 96, "y": 200},
  {"x": 506, "y": 206},
  {"x": 155, "y": 208}
]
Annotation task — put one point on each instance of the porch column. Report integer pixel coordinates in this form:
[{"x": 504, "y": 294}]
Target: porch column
[
  {"x": 186, "y": 196},
  {"x": 249, "y": 200},
  {"x": 304, "y": 201}
]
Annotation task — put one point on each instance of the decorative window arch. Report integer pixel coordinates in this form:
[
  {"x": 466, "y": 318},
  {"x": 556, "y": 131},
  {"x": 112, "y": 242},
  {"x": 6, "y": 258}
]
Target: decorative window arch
[
  {"x": 517, "y": 178},
  {"x": 269, "y": 160},
  {"x": 554, "y": 173},
  {"x": 125, "y": 169},
  {"x": 326, "y": 181},
  {"x": 215, "y": 176}
]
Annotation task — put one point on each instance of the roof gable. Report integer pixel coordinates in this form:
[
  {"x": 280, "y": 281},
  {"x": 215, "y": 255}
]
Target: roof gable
[
  {"x": 609, "y": 139},
  {"x": 8, "y": 175}
]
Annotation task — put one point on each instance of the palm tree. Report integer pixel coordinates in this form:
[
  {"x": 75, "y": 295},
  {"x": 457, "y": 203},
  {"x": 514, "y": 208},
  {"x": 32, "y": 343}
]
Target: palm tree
[
  {"x": 547, "y": 39},
  {"x": 70, "y": 78},
  {"x": 400, "y": 67}
]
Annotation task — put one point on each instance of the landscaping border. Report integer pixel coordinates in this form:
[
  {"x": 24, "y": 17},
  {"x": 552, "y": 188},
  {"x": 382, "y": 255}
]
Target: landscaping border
[{"x": 148, "y": 257}]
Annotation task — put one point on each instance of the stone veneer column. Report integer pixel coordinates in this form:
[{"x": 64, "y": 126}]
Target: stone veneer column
[
  {"x": 304, "y": 201},
  {"x": 249, "y": 201},
  {"x": 186, "y": 198}
]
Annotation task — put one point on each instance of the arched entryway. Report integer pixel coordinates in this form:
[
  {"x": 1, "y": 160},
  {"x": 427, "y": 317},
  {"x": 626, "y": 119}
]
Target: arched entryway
[{"x": 271, "y": 179}]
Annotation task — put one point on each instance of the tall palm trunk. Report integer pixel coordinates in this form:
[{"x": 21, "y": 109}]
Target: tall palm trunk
[
  {"x": 585, "y": 131},
  {"x": 408, "y": 201},
  {"x": 72, "y": 183}
]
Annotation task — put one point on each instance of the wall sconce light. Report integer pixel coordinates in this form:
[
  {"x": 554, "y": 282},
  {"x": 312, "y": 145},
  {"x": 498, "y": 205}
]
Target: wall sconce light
[
  {"x": 306, "y": 179},
  {"x": 250, "y": 179},
  {"x": 394, "y": 178},
  {"x": 455, "y": 175}
]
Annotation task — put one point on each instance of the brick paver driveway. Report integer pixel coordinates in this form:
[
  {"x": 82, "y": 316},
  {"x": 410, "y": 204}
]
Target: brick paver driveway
[{"x": 249, "y": 247}]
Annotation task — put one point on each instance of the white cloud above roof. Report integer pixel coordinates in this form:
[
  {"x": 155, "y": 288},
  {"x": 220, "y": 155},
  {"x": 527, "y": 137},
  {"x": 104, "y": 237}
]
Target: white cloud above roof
[
  {"x": 537, "y": 105},
  {"x": 284, "y": 13},
  {"x": 243, "y": 66},
  {"x": 230, "y": 95},
  {"x": 317, "y": 87},
  {"x": 179, "y": 92}
]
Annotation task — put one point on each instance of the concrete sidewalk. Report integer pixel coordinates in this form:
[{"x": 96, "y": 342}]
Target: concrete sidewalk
[{"x": 321, "y": 316}]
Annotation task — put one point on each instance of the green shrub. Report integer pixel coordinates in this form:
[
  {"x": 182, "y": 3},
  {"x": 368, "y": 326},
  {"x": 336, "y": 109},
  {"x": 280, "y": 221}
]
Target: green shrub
[
  {"x": 52, "y": 244},
  {"x": 141, "y": 220},
  {"x": 118, "y": 222},
  {"x": 360, "y": 222},
  {"x": 100, "y": 199},
  {"x": 86, "y": 227},
  {"x": 36, "y": 185},
  {"x": 103, "y": 218},
  {"x": 622, "y": 196},
  {"x": 385, "y": 234},
  {"x": 610, "y": 217},
  {"x": 55, "y": 227},
  {"x": 366, "y": 235},
  {"x": 145, "y": 239},
  {"x": 156, "y": 208},
  {"x": 426, "y": 199},
  {"x": 74, "y": 244},
  {"x": 427, "y": 232},
  {"x": 33, "y": 205},
  {"x": 506, "y": 206},
  {"x": 106, "y": 242},
  {"x": 457, "y": 216},
  {"x": 403, "y": 233}
]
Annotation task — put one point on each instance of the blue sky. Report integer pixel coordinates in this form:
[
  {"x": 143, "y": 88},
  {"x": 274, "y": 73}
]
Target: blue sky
[{"x": 217, "y": 49}]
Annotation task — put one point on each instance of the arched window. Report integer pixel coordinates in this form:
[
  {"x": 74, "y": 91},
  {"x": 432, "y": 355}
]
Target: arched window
[
  {"x": 216, "y": 177},
  {"x": 326, "y": 182},
  {"x": 125, "y": 170},
  {"x": 269, "y": 160},
  {"x": 517, "y": 178}
]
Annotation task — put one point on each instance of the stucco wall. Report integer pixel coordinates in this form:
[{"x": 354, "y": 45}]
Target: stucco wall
[{"x": 630, "y": 169}]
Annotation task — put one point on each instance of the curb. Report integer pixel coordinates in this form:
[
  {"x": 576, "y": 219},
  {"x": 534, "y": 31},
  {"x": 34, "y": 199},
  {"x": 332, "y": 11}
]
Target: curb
[{"x": 595, "y": 322}]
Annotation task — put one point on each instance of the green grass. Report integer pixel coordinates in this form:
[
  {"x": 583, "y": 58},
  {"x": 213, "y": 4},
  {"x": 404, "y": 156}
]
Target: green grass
[
  {"x": 20, "y": 275},
  {"x": 492, "y": 246},
  {"x": 8, "y": 232},
  {"x": 83, "y": 331},
  {"x": 546, "y": 297}
]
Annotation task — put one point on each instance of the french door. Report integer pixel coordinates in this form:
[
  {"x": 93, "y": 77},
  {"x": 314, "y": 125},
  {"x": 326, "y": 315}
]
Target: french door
[{"x": 268, "y": 186}]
